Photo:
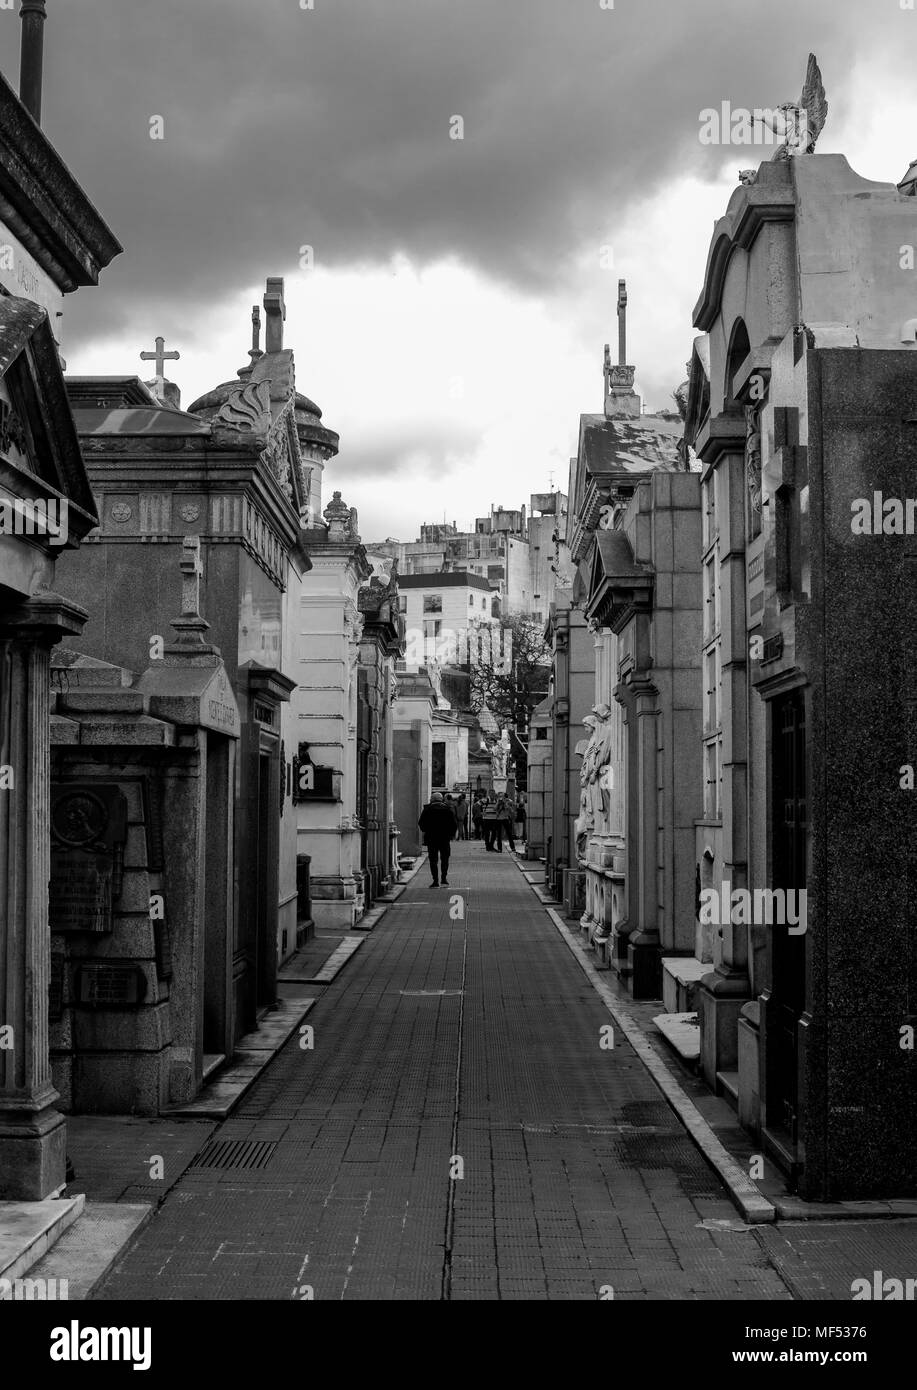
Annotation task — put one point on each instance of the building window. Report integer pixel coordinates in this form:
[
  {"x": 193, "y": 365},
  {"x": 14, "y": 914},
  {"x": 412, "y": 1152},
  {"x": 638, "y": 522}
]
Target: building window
[
  {"x": 541, "y": 733},
  {"x": 439, "y": 765},
  {"x": 432, "y": 603},
  {"x": 713, "y": 777}
]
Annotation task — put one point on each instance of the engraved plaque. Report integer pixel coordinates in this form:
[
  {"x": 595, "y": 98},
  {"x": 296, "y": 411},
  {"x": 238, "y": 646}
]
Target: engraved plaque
[
  {"x": 80, "y": 892},
  {"x": 110, "y": 985}
]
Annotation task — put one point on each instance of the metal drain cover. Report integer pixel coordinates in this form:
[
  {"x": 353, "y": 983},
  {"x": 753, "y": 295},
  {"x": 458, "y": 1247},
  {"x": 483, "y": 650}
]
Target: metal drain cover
[{"x": 236, "y": 1153}]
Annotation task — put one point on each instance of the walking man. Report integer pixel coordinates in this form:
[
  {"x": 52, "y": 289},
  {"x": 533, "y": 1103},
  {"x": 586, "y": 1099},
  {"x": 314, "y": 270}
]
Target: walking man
[
  {"x": 461, "y": 812},
  {"x": 493, "y": 829},
  {"x": 505, "y": 813},
  {"x": 437, "y": 825},
  {"x": 477, "y": 816}
]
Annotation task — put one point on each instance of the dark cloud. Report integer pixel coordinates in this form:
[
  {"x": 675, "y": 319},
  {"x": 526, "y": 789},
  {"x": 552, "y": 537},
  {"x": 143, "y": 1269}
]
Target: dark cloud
[{"x": 330, "y": 127}]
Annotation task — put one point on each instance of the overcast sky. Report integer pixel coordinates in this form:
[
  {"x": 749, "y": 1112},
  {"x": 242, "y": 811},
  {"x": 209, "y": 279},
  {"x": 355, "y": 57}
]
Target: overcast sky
[{"x": 451, "y": 327}]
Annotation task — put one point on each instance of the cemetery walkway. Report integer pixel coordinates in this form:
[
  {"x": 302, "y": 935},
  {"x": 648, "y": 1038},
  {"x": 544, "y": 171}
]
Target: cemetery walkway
[{"x": 456, "y": 1132}]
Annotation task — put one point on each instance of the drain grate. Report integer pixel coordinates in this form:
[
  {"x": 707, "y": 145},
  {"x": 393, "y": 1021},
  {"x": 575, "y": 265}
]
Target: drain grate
[{"x": 236, "y": 1153}]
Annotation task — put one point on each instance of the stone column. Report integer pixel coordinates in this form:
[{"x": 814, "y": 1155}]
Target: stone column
[
  {"x": 32, "y": 1132},
  {"x": 724, "y": 991},
  {"x": 644, "y": 948}
]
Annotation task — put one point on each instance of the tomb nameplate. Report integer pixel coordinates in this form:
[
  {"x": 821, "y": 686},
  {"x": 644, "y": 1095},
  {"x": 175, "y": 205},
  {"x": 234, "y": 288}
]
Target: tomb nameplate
[
  {"x": 88, "y": 831},
  {"x": 110, "y": 985}
]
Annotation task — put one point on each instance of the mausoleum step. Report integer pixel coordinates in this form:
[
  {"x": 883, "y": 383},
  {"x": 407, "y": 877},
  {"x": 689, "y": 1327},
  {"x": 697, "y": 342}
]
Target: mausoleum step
[
  {"x": 29, "y": 1229},
  {"x": 212, "y": 1061},
  {"x": 727, "y": 1084},
  {"x": 682, "y": 1031}
]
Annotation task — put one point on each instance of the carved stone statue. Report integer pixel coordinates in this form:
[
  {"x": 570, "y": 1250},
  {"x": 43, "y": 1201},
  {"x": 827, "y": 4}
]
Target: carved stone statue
[
  {"x": 499, "y": 757},
  {"x": 594, "y": 798},
  {"x": 753, "y": 468},
  {"x": 803, "y": 121}
]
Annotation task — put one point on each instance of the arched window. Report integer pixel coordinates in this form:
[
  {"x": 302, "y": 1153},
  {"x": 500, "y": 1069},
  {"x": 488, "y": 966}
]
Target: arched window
[{"x": 739, "y": 348}]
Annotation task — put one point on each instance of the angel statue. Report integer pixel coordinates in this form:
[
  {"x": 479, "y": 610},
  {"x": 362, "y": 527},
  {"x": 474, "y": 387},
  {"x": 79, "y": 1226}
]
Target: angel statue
[{"x": 803, "y": 121}]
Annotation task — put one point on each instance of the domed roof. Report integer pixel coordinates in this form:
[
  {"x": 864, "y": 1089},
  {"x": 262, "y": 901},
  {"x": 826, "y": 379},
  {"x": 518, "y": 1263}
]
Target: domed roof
[
  {"x": 304, "y": 406},
  {"x": 212, "y": 401}
]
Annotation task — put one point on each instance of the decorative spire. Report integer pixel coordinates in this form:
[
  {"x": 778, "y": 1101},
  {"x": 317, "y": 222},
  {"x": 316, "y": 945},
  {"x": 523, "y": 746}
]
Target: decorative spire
[
  {"x": 255, "y": 349},
  {"x": 342, "y": 520}
]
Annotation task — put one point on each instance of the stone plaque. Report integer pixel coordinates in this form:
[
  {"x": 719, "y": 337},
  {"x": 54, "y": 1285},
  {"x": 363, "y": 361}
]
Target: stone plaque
[
  {"x": 110, "y": 985},
  {"x": 80, "y": 892}
]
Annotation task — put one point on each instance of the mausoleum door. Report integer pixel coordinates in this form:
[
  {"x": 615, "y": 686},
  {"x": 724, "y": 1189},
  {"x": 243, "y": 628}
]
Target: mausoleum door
[
  {"x": 266, "y": 889},
  {"x": 788, "y": 965},
  {"x": 218, "y": 1033}
]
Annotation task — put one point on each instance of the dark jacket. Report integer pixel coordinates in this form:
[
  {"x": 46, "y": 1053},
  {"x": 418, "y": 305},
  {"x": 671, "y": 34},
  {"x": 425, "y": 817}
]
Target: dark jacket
[{"x": 437, "y": 823}]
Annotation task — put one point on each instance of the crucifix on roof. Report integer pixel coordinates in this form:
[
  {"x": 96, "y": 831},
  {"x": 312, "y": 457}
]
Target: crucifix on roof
[
  {"x": 620, "y": 397},
  {"x": 160, "y": 356},
  {"x": 276, "y": 310}
]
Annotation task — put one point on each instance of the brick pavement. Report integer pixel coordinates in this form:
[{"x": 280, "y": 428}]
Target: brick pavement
[{"x": 443, "y": 1040}]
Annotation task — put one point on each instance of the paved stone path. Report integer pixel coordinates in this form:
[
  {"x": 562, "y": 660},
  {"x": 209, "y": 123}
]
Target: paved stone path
[{"x": 468, "y": 1046}]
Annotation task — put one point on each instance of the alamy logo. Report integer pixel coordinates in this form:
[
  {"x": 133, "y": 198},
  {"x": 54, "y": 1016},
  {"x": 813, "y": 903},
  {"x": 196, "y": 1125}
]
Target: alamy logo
[
  {"x": 20, "y": 516},
  {"x": 75, "y": 1343},
  {"x": 882, "y": 1290},
  {"x": 883, "y": 516},
  {"x": 764, "y": 125},
  {"x": 33, "y": 1290},
  {"x": 761, "y": 907}
]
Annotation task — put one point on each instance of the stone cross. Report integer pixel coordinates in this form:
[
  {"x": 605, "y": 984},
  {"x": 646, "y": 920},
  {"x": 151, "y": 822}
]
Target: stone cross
[
  {"x": 192, "y": 568},
  {"x": 276, "y": 310},
  {"x": 160, "y": 356},
  {"x": 622, "y": 322}
]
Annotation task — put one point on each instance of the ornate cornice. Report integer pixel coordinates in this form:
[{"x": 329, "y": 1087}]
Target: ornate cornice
[{"x": 44, "y": 206}]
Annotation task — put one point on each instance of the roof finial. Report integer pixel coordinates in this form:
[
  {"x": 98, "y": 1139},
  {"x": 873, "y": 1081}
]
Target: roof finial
[{"x": 255, "y": 349}]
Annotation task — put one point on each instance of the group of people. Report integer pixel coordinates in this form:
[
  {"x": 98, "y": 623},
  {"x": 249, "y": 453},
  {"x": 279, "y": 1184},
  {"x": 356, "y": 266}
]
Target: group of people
[
  {"x": 445, "y": 818},
  {"x": 494, "y": 817}
]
